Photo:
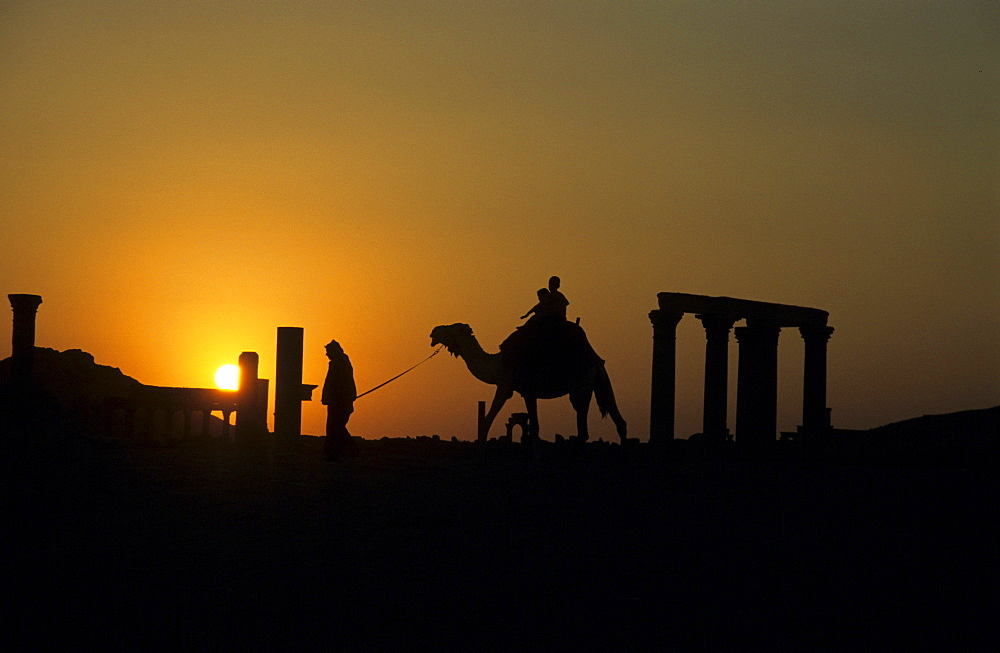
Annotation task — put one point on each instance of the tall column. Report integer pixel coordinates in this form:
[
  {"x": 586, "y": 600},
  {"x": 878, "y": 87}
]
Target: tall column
[
  {"x": 288, "y": 383},
  {"x": 757, "y": 385},
  {"x": 714, "y": 415},
  {"x": 23, "y": 340},
  {"x": 815, "y": 414},
  {"x": 661, "y": 413}
]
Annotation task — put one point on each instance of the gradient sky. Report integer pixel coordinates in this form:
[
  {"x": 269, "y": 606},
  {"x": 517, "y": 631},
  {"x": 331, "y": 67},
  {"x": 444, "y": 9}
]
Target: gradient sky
[{"x": 178, "y": 179}]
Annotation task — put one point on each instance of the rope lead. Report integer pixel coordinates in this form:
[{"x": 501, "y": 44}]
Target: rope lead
[{"x": 400, "y": 374}]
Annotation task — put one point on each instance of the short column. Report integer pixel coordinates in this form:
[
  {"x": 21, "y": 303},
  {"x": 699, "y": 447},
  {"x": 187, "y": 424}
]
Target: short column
[
  {"x": 661, "y": 413},
  {"x": 757, "y": 384},
  {"x": 714, "y": 415},
  {"x": 815, "y": 414},
  {"x": 247, "y": 427}
]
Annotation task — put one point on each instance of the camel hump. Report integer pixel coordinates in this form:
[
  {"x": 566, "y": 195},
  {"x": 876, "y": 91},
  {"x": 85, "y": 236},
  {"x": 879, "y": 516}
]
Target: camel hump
[{"x": 551, "y": 347}]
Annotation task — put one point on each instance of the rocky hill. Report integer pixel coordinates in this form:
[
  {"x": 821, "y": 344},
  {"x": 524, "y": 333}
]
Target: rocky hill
[{"x": 72, "y": 391}]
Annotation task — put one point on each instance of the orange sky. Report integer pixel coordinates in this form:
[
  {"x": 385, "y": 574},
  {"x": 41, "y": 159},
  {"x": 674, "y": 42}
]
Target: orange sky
[{"x": 178, "y": 179}]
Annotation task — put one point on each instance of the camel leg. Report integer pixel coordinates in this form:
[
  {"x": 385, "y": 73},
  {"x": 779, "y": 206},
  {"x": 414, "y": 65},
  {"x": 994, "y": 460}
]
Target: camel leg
[
  {"x": 581, "y": 404},
  {"x": 499, "y": 399}
]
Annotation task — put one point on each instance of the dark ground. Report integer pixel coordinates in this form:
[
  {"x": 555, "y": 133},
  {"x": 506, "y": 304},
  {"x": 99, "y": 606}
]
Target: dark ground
[{"x": 420, "y": 545}]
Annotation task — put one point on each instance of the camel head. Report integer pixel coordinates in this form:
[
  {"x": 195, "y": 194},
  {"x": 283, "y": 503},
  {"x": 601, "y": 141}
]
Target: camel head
[{"x": 449, "y": 335}]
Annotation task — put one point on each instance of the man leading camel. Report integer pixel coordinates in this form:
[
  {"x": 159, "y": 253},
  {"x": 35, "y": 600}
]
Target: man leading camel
[{"x": 339, "y": 393}]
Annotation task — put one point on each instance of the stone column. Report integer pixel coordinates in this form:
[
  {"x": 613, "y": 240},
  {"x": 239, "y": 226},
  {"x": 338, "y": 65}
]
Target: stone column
[
  {"x": 661, "y": 413},
  {"x": 815, "y": 414},
  {"x": 757, "y": 385},
  {"x": 23, "y": 341},
  {"x": 714, "y": 416},
  {"x": 288, "y": 384},
  {"x": 247, "y": 427}
]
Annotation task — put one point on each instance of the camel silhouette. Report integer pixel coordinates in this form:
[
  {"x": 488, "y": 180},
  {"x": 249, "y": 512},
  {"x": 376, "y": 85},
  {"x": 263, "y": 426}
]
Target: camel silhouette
[{"x": 580, "y": 376}]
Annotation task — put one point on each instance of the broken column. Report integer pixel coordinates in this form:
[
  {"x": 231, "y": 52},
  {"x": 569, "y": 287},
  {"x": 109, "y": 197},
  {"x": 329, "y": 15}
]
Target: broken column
[
  {"x": 815, "y": 414},
  {"x": 249, "y": 426}
]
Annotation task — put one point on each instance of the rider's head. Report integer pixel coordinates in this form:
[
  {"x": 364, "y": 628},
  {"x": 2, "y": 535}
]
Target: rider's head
[{"x": 553, "y": 283}]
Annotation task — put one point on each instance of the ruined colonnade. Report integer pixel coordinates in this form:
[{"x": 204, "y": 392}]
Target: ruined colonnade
[{"x": 757, "y": 368}]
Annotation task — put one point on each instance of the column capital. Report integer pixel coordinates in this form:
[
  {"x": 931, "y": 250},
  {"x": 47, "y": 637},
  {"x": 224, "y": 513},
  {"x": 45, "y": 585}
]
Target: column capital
[
  {"x": 716, "y": 322},
  {"x": 663, "y": 318},
  {"x": 816, "y": 332},
  {"x": 20, "y": 302}
]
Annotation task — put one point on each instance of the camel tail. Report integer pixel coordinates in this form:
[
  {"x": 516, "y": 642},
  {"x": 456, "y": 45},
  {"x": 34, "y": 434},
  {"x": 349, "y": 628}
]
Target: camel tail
[
  {"x": 605, "y": 396},
  {"x": 603, "y": 392}
]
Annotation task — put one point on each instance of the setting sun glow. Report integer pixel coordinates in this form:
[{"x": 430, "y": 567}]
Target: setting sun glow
[
  {"x": 227, "y": 377},
  {"x": 219, "y": 171}
]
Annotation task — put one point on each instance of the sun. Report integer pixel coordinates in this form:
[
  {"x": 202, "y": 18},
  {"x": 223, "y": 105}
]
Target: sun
[{"x": 227, "y": 377}]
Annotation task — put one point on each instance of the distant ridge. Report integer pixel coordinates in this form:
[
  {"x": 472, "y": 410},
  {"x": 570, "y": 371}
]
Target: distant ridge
[
  {"x": 965, "y": 438},
  {"x": 984, "y": 422}
]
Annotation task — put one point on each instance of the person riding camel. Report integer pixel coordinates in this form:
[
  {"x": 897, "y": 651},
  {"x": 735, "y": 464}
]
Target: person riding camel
[
  {"x": 546, "y": 338},
  {"x": 551, "y": 304},
  {"x": 555, "y": 300},
  {"x": 540, "y": 310}
]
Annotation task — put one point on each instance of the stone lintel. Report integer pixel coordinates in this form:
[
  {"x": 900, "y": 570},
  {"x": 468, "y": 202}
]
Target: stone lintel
[
  {"x": 185, "y": 398},
  {"x": 781, "y": 315}
]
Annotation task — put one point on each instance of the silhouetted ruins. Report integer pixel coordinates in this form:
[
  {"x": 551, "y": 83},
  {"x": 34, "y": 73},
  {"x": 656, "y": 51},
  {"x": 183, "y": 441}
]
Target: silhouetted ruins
[
  {"x": 115, "y": 405},
  {"x": 145, "y": 410},
  {"x": 757, "y": 369}
]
